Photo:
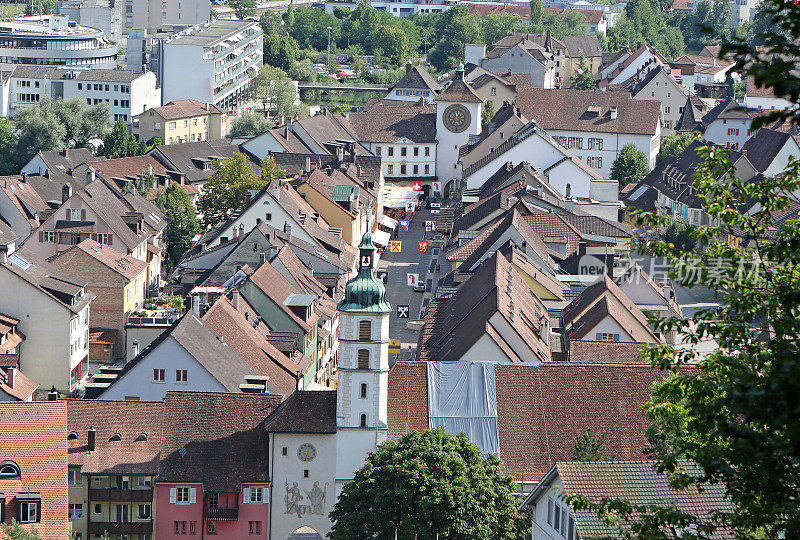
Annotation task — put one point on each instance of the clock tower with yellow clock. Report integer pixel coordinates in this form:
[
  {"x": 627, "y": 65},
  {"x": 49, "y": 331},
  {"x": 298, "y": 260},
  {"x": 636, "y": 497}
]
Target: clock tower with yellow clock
[{"x": 458, "y": 115}]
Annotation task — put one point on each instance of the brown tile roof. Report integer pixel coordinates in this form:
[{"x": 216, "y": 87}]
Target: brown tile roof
[
  {"x": 305, "y": 411},
  {"x": 387, "y": 126},
  {"x": 24, "y": 198},
  {"x": 465, "y": 250},
  {"x": 184, "y": 108},
  {"x": 273, "y": 284},
  {"x": 638, "y": 483},
  {"x": 216, "y": 439},
  {"x": 542, "y": 409},
  {"x": 485, "y": 9},
  {"x": 417, "y": 77},
  {"x": 454, "y": 325},
  {"x": 558, "y": 109},
  {"x": 602, "y": 308},
  {"x": 138, "y": 424},
  {"x": 248, "y": 343},
  {"x": 606, "y": 352},
  {"x": 23, "y": 386},
  {"x": 127, "y": 167},
  {"x": 126, "y": 266},
  {"x": 34, "y": 436},
  {"x": 459, "y": 91}
]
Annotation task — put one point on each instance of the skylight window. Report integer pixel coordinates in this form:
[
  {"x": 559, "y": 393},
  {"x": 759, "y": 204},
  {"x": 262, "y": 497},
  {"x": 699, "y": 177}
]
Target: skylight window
[{"x": 19, "y": 262}]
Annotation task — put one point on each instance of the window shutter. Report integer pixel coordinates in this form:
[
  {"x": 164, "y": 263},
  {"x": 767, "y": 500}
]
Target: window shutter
[
  {"x": 264, "y": 495},
  {"x": 192, "y": 495},
  {"x": 173, "y": 495},
  {"x": 246, "y": 495},
  {"x": 83, "y": 215},
  {"x": 41, "y": 236},
  {"x": 598, "y": 336},
  {"x": 110, "y": 239}
]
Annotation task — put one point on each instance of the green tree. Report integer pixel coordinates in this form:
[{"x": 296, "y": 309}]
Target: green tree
[
  {"x": 734, "y": 413},
  {"x": 243, "y": 8},
  {"x": 497, "y": 26},
  {"x": 271, "y": 23},
  {"x": 280, "y": 51},
  {"x": 583, "y": 79},
  {"x": 15, "y": 531},
  {"x": 276, "y": 92},
  {"x": 428, "y": 484},
  {"x": 250, "y": 125},
  {"x": 119, "y": 142},
  {"x": 488, "y": 113},
  {"x": 82, "y": 123},
  {"x": 39, "y": 129},
  {"x": 630, "y": 166},
  {"x": 678, "y": 235},
  {"x": 457, "y": 27},
  {"x": 674, "y": 145},
  {"x": 45, "y": 7},
  {"x": 225, "y": 192},
  {"x": 589, "y": 447},
  {"x": 182, "y": 222},
  {"x": 8, "y": 143},
  {"x": 536, "y": 11},
  {"x": 303, "y": 71},
  {"x": 392, "y": 43}
]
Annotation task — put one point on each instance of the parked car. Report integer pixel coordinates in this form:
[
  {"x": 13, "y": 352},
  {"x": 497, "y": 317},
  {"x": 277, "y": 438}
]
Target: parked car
[{"x": 419, "y": 287}]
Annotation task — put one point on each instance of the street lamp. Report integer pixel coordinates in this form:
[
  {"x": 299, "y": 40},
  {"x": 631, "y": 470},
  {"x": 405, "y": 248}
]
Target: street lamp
[{"x": 329, "y": 45}]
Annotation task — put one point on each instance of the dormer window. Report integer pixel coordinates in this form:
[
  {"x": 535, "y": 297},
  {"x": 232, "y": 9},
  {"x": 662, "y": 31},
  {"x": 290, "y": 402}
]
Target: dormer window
[
  {"x": 116, "y": 437},
  {"x": 72, "y": 436},
  {"x": 9, "y": 469}
]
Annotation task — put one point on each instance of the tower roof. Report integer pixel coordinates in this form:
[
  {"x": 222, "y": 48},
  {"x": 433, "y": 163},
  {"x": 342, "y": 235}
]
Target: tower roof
[{"x": 365, "y": 292}]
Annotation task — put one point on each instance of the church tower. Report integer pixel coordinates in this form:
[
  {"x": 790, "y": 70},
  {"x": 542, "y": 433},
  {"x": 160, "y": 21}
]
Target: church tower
[
  {"x": 458, "y": 115},
  {"x": 363, "y": 367}
]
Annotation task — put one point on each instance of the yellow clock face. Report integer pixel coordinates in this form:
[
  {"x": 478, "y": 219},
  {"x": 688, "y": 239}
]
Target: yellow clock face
[{"x": 306, "y": 452}]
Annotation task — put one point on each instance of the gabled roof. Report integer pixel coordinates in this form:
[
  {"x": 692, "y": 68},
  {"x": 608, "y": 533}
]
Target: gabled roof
[
  {"x": 189, "y": 158},
  {"x": 570, "y": 109},
  {"x": 275, "y": 286},
  {"x": 727, "y": 109},
  {"x": 138, "y": 424},
  {"x": 241, "y": 335},
  {"x": 305, "y": 411},
  {"x": 127, "y": 267},
  {"x": 764, "y": 146},
  {"x": 204, "y": 345},
  {"x": 640, "y": 85},
  {"x": 217, "y": 439},
  {"x": 454, "y": 325},
  {"x": 184, "y": 108},
  {"x": 387, "y": 126},
  {"x": 34, "y": 436},
  {"x": 25, "y": 198},
  {"x": 417, "y": 77},
  {"x": 62, "y": 161},
  {"x": 541, "y": 410},
  {"x": 459, "y": 91},
  {"x": 127, "y": 167},
  {"x": 638, "y": 483},
  {"x": 23, "y": 386}
]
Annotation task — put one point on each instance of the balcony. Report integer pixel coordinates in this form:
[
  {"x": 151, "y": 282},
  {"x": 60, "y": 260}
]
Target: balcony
[
  {"x": 120, "y": 495},
  {"x": 112, "y": 527},
  {"x": 221, "y": 514}
]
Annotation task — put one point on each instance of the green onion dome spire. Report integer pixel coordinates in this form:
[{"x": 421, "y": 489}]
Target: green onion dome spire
[{"x": 365, "y": 292}]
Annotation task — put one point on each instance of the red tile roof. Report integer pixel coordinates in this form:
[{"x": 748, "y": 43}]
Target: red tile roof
[
  {"x": 34, "y": 436},
  {"x": 127, "y": 167},
  {"x": 184, "y": 108},
  {"x": 138, "y": 424},
  {"x": 541, "y": 410},
  {"x": 22, "y": 387},
  {"x": 127, "y": 266}
]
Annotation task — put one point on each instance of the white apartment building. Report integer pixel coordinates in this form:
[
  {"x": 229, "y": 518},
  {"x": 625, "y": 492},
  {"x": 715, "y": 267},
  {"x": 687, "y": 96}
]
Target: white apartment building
[
  {"x": 153, "y": 15},
  {"x": 129, "y": 93},
  {"x": 211, "y": 62},
  {"x": 55, "y": 41},
  {"x": 398, "y": 8},
  {"x": 53, "y": 310}
]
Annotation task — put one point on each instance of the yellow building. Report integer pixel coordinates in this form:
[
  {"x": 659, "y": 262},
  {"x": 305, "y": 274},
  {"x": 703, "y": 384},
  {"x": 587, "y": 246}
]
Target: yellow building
[{"x": 181, "y": 121}]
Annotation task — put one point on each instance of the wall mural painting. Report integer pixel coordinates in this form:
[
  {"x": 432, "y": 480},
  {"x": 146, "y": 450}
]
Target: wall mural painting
[{"x": 315, "y": 498}]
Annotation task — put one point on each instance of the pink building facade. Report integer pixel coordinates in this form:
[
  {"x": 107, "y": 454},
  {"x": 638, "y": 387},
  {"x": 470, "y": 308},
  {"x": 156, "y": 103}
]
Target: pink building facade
[{"x": 186, "y": 509}]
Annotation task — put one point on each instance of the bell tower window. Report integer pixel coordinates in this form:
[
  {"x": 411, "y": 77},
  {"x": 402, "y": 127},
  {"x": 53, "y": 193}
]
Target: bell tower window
[
  {"x": 363, "y": 421},
  {"x": 363, "y": 359},
  {"x": 364, "y": 330},
  {"x": 363, "y": 390}
]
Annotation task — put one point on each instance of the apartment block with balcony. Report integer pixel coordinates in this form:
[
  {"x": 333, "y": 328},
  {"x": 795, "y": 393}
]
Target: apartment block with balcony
[
  {"x": 112, "y": 464},
  {"x": 212, "y": 62}
]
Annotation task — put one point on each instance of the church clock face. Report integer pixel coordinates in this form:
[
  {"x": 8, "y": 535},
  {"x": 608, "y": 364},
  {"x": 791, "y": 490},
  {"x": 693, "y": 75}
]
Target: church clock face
[
  {"x": 306, "y": 452},
  {"x": 456, "y": 118}
]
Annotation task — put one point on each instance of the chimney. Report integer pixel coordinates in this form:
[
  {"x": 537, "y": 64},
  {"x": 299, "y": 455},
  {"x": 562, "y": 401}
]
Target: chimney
[
  {"x": 409, "y": 67},
  {"x": 135, "y": 349},
  {"x": 196, "y": 305},
  {"x": 89, "y": 175},
  {"x": 358, "y": 170},
  {"x": 65, "y": 153},
  {"x": 90, "y": 439},
  {"x": 273, "y": 250},
  {"x": 52, "y": 395},
  {"x": 248, "y": 198},
  {"x": 235, "y": 300},
  {"x": 340, "y": 153},
  {"x": 3, "y": 254},
  {"x": 11, "y": 375},
  {"x": 287, "y": 229},
  {"x": 308, "y": 165},
  {"x": 47, "y": 173},
  {"x": 24, "y": 178},
  {"x": 66, "y": 193},
  {"x": 568, "y": 192}
]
